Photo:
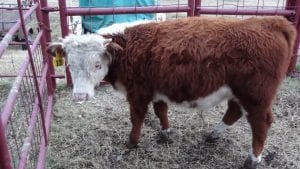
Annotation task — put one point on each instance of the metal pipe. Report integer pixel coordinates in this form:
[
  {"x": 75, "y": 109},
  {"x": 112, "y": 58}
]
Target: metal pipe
[
  {"x": 191, "y": 4},
  {"x": 63, "y": 18},
  {"x": 174, "y": 8},
  {"x": 294, "y": 4},
  {"x": 43, "y": 146},
  {"x": 14, "y": 76},
  {"x": 18, "y": 43},
  {"x": 5, "y": 159},
  {"x": 64, "y": 32},
  {"x": 43, "y": 18},
  {"x": 8, "y": 37},
  {"x": 239, "y": 11},
  {"x": 58, "y": 76},
  {"x": 50, "y": 9},
  {"x": 197, "y": 7},
  {"x": 126, "y": 10},
  {"x": 13, "y": 8}
]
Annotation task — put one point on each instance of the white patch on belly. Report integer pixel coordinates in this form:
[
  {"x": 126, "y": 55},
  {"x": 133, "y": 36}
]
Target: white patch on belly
[
  {"x": 243, "y": 110},
  {"x": 120, "y": 88},
  {"x": 202, "y": 103}
]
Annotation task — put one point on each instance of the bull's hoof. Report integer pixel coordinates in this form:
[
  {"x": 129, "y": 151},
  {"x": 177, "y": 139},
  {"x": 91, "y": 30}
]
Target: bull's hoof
[
  {"x": 131, "y": 145},
  {"x": 250, "y": 164},
  {"x": 212, "y": 138},
  {"x": 165, "y": 136}
]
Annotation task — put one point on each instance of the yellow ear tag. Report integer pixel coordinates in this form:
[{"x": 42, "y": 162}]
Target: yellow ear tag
[{"x": 58, "y": 60}]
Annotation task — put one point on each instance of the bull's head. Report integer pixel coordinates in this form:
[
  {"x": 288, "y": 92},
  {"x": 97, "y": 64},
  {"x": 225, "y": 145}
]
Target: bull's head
[{"x": 87, "y": 59}]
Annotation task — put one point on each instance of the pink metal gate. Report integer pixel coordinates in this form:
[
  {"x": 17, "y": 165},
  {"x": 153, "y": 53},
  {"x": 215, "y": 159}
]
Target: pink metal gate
[{"x": 26, "y": 112}]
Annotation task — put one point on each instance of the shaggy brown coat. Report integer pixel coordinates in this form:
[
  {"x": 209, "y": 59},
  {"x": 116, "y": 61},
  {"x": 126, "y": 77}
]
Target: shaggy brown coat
[{"x": 190, "y": 58}]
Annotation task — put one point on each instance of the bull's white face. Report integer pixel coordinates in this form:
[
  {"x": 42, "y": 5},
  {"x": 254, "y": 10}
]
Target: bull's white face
[
  {"x": 87, "y": 62},
  {"x": 87, "y": 68}
]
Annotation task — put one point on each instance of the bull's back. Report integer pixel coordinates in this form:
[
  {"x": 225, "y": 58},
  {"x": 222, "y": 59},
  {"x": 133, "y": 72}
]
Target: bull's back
[{"x": 191, "y": 58}]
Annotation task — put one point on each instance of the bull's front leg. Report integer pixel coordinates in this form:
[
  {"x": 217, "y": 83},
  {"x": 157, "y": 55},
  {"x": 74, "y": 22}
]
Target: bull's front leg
[{"x": 137, "y": 115}]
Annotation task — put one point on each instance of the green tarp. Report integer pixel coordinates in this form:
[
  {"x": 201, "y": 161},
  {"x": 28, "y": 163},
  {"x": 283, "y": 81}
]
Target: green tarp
[{"x": 93, "y": 23}]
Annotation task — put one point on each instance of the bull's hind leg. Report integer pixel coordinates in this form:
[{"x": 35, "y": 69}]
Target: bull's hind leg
[
  {"x": 161, "y": 111},
  {"x": 232, "y": 114},
  {"x": 260, "y": 122}
]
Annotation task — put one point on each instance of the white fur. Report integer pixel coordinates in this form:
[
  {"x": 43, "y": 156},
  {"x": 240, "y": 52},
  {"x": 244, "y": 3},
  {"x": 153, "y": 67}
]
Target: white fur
[
  {"x": 168, "y": 130},
  {"x": 81, "y": 84},
  {"x": 120, "y": 27},
  {"x": 84, "y": 52},
  {"x": 254, "y": 158},
  {"x": 93, "y": 40},
  {"x": 243, "y": 110},
  {"x": 220, "y": 128},
  {"x": 202, "y": 103}
]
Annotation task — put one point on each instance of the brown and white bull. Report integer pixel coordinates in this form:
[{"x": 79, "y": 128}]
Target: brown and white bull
[{"x": 194, "y": 62}]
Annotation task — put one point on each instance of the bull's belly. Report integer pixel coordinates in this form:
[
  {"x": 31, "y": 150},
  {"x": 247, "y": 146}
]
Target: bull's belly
[{"x": 202, "y": 103}]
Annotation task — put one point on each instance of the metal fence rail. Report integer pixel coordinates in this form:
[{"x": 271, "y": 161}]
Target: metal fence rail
[{"x": 26, "y": 112}]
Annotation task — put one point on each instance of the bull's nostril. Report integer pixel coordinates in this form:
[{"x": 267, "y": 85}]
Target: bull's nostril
[{"x": 80, "y": 97}]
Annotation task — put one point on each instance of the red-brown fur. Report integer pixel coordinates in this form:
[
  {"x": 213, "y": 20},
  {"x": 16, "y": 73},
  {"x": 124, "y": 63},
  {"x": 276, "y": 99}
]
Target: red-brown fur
[{"x": 191, "y": 58}]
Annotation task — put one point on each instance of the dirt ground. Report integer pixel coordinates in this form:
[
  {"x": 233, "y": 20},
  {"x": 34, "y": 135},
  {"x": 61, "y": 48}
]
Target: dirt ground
[{"x": 93, "y": 134}]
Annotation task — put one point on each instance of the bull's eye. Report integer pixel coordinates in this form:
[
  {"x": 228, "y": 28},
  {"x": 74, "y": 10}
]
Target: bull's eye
[{"x": 98, "y": 66}]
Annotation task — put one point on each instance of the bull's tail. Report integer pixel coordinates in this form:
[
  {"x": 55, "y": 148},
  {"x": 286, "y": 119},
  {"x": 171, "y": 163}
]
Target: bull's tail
[
  {"x": 289, "y": 32},
  {"x": 285, "y": 27}
]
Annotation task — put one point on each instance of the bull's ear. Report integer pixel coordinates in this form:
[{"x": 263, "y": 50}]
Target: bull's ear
[
  {"x": 111, "y": 42},
  {"x": 107, "y": 41},
  {"x": 116, "y": 46},
  {"x": 107, "y": 36},
  {"x": 55, "y": 48}
]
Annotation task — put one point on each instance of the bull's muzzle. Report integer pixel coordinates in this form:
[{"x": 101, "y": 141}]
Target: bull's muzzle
[{"x": 80, "y": 97}]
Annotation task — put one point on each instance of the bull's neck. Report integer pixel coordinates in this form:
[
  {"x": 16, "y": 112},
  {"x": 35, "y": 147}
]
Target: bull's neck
[{"x": 113, "y": 71}]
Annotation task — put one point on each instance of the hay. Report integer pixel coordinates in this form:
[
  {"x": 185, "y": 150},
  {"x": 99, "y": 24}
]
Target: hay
[{"x": 92, "y": 135}]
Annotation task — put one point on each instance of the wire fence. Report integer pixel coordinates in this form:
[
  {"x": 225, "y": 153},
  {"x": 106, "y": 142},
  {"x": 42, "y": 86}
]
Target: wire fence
[{"x": 27, "y": 91}]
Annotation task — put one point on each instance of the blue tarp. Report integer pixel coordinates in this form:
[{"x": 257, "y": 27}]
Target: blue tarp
[{"x": 93, "y": 23}]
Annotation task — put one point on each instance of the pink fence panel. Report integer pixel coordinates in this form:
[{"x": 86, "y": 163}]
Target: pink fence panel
[{"x": 26, "y": 94}]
